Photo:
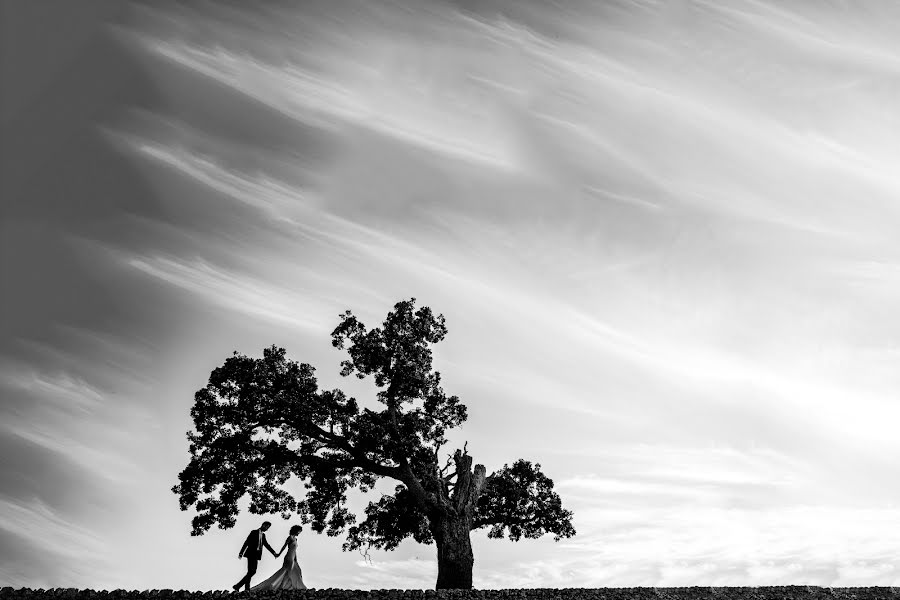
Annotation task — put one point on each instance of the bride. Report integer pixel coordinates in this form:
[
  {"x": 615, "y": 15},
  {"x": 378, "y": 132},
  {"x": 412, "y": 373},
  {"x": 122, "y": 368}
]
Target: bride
[{"x": 289, "y": 576}]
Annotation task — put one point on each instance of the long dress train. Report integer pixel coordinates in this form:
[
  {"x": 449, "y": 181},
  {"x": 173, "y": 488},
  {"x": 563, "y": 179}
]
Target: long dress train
[{"x": 289, "y": 576}]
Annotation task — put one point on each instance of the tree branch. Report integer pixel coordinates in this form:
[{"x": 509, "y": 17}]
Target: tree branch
[{"x": 338, "y": 443}]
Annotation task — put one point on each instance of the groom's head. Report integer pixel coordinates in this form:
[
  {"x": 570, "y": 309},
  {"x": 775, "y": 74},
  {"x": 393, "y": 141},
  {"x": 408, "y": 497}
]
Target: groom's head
[{"x": 265, "y": 526}]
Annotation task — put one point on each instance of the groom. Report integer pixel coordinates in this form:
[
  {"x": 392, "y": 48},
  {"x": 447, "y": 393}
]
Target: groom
[{"x": 252, "y": 550}]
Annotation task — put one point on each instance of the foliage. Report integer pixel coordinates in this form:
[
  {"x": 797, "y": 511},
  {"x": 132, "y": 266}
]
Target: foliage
[
  {"x": 519, "y": 501},
  {"x": 260, "y": 421}
]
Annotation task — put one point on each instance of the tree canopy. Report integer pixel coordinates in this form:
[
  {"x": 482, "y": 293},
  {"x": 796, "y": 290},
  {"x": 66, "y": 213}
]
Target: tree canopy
[{"x": 260, "y": 421}]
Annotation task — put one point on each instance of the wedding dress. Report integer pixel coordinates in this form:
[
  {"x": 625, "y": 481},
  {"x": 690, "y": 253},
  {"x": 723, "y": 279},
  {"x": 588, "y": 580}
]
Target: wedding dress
[{"x": 289, "y": 576}]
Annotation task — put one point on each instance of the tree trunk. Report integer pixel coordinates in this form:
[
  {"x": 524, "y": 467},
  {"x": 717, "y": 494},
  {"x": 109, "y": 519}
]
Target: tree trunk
[
  {"x": 451, "y": 523},
  {"x": 454, "y": 552}
]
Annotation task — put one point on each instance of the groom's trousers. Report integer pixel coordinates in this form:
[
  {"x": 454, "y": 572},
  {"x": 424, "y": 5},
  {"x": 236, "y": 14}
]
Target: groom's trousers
[{"x": 251, "y": 571}]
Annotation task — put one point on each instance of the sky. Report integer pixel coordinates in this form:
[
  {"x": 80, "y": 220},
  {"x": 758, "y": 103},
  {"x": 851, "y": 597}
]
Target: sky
[{"x": 663, "y": 235}]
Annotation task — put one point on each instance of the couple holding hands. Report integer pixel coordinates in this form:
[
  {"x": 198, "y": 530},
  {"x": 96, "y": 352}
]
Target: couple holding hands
[{"x": 288, "y": 577}]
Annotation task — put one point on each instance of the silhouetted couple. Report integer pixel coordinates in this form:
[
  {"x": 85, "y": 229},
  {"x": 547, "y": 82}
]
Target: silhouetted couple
[{"x": 288, "y": 577}]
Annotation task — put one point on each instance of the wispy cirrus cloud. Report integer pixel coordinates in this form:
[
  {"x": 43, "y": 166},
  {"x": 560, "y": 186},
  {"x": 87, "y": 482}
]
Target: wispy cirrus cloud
[
  {"x": 368, "y": 99},
  {"x": 219, "y": 287},
  {"x": 41, "y": 547}
]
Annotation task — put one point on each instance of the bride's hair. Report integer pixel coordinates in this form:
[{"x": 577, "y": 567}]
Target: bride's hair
[{"x": 296, "y": 529}]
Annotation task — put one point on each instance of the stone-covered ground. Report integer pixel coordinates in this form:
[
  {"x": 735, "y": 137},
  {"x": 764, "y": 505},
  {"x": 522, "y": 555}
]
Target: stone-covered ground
[{"x": 647, "y": 593}]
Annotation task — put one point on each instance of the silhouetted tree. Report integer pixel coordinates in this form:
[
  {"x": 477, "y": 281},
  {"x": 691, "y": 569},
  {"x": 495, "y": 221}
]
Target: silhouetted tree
[{"x": 260, "y": 421}]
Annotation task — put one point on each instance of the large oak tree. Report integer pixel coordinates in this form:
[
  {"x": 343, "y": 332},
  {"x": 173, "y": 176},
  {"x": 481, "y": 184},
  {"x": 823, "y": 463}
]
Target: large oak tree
[{"x": 260, "y": 421}]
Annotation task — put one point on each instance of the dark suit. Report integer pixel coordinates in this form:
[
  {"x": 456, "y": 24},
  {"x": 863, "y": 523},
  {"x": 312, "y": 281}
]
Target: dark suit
[{"x": 252, "y": 551}]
